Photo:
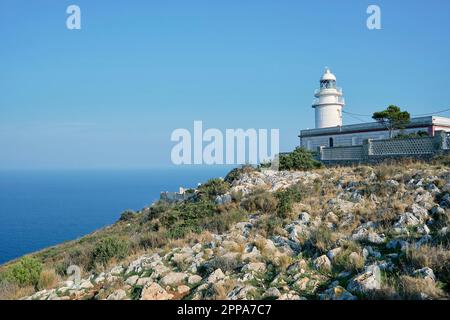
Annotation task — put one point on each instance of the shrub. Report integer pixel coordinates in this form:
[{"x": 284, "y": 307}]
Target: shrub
[
  {"x": 321, "y": 239},
  {"x": 260, "y": 201},
  {"x": 299, "y": 159},
  {"x": 26, "y": 272},
  {"x": 109, "y": 248},
  {"x": 286, "y": 199},
  {"x": 127, "y": 215},
  {"x": 213, "y": 188},
  {"x": 157, "y": 209},
  {"x": 236, "y": 173},
  {"x": 153, "y": 240}
]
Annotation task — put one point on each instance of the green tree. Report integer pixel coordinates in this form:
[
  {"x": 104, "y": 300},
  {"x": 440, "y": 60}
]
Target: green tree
[{"x": 393, "y": 118}]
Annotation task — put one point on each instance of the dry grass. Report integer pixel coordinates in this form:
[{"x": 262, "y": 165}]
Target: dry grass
[
  {"x": 415, "y": 288},
  {"x": 434, "y": 257},
  {"x": 221, "y": 289},
  {"x": 48, "y": 279},
  {"x": 11, "y": 291}
]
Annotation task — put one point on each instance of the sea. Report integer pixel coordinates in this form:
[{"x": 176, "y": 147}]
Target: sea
[{"x": 41, "y": 208}]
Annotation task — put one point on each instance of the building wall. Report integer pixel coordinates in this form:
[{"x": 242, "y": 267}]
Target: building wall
[{"x": 352, "y": 139}]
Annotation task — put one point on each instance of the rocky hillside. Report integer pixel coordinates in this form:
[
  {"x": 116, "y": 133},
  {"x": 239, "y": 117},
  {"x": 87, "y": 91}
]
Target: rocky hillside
[{"x": 336, "y": 233}]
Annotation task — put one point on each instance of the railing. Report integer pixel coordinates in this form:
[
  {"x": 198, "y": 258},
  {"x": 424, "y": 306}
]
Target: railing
[
  {"x": 338, "y": 89},
  {"x": 339, "y": 100}
]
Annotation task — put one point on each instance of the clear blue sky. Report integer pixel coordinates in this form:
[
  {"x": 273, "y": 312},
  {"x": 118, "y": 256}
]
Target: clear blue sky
[{"x": 109, "y": 95}]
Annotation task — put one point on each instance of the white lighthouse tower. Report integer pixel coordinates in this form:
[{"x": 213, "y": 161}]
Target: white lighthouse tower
[{"x": 328, "y": 102}]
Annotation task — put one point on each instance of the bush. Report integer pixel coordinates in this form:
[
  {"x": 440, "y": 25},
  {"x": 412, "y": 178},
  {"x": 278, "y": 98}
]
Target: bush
[
  {"x": 236, "y": 173},
  {"x": 286, "y": 199},
  {"x": 109, "y": 248},
  {"x": 260, "y": 201},
  {"x": 187, "y": 217},
  {"x": 127, "y": 215},
  {"x": 213, "y": 188},
  {"x": 299, "y": 159},
  {"x": 153, "y": 240},
  {"x": 26, "y": 272}
]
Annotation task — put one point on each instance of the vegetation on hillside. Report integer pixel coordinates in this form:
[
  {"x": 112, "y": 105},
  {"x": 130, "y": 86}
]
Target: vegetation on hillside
[
  {"x": 334, "y": 205},
  {"x": 299, "y": 159}
]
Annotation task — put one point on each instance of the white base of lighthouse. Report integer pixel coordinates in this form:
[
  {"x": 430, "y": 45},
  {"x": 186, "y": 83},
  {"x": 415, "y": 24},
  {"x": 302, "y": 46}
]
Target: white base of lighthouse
[{"x": 328, "y": 116}]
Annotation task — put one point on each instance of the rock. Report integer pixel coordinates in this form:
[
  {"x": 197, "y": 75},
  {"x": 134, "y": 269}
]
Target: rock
[
  {"x": 117, "y": 270},
  {"x": 392, "y": 183},
  {"x": 423, "y": 229},
  {"x": 419, "y": 212},
  {"x": 272, "y": 293},
  {"x": 86, "y": 284},
  {"x": 253, "y": 255},
  {"x": 240, "y": 292},
  {"x": 290, "y": 296},
  {"x": 117, "y": 295},
  {"x": 223, "y": 199},
  {"x": 173, "y": 278},
  {"x": 425, "y": 273},
  {"x": 333, "y": 253},
  {"x": 183, "y": 289},
  {"x": 337, "y": 293},
  {"x": 215, "y": 276},
  {"x": 132, "y": 280},
  {"x": 407, "y": 219},
  {"x": 154, "y": 291},
  {"x": 331, "y": 217},
  {"x": 197, "y": 248},
  {"x": 367, "y": 281},
  {"x": 144, "y": 281},
  {"x": 194, "y": 279},
  {"x": 375, "y": 238},
  {"x": 304, "y": 217},
  {"x": 254, "y": 267},
  {"x": 322, "y": 263}
]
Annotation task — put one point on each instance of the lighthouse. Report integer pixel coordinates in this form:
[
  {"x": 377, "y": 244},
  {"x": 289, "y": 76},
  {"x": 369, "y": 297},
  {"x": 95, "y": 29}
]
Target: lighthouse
[{"x": 328, "y": 102}]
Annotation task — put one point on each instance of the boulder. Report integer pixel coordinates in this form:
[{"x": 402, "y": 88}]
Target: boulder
[
  {"x": 425, "y": 273},
  {"x": 367, "y": 281},
  {"x": 132, "y": 280},
  {"x": 254, "y": 267},
  {"x": 240, "y": 292},
  {"x": 336, "y": 293},
  {"x": 117, "y": 295},
  {"x": 194, "y": 279},
  {"x": 154, "y": 291},
  {"x": 215, "y": 276},
  {"x": 173, "y": 278},
  {"x": 272, "y": 293},
  {"x": 322, "y": 263}
]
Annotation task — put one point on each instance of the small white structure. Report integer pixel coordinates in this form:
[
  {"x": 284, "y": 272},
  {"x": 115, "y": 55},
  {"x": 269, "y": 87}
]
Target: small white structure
[
  {"x": 328, "y": 102},
  {"x": 330, "y": 132}
]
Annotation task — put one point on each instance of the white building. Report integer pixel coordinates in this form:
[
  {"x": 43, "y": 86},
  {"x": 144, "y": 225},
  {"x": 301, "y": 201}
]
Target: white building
[{"x": 330, "y": 132}]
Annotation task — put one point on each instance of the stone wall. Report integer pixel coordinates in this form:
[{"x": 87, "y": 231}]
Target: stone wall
[
  {"x": 342, "y": 153},
  {"x": 379, "y": 150}
]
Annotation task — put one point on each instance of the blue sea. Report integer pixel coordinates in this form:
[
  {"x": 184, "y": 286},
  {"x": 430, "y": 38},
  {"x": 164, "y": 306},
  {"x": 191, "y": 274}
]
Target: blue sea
[{"x": 43, "y": 208}]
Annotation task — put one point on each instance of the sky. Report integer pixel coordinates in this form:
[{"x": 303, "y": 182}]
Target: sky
[{"x": 110, "y": 95}]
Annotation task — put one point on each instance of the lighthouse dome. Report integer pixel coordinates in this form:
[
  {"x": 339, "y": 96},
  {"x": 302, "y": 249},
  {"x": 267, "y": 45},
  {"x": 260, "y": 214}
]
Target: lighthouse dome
[{"x": 328, "y": 76}]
